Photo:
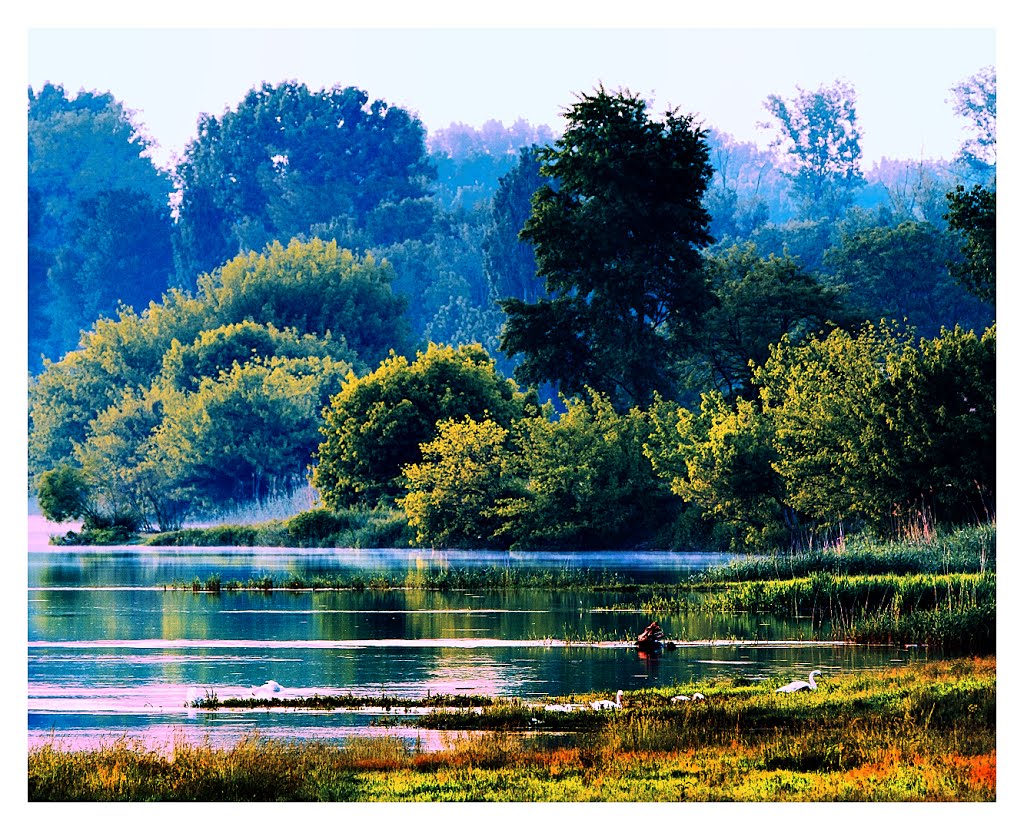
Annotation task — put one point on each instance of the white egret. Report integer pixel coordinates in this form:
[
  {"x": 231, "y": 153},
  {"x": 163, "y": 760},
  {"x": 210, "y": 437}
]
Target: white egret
[
  {"x": 800, "y": 685},
  {"x": 608, "y": 704}
]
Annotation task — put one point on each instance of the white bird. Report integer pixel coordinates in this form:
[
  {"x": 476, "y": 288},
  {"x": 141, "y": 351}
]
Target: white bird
[
  {"x": 270, "y": 686},
  {"x": 608, "y": 704},
  {"x": 558, "y": 707},
  {"x": 800, "y": 685},
  {"x": 685, "y": 698}
]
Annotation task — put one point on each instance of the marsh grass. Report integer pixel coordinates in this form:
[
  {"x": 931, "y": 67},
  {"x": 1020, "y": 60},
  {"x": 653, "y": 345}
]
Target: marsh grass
[
  {"x": 921, "y": 733},
  {"x": 441, "y": 579}
]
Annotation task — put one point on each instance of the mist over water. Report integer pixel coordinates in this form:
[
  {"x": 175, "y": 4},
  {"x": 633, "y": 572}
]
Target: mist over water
[{"x": 111, "y": 653}]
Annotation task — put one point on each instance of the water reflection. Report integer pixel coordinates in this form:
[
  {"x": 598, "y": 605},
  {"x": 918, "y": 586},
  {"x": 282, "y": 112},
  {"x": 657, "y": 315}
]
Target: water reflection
[{"x": 110, "y": 652}]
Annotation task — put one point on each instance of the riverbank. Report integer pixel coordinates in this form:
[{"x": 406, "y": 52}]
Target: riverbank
[{"x": 924, "y": 733}]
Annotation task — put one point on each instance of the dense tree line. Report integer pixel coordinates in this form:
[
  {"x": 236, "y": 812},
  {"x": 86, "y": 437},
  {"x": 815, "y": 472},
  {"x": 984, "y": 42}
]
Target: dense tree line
[{"x": 666, "y": 285}]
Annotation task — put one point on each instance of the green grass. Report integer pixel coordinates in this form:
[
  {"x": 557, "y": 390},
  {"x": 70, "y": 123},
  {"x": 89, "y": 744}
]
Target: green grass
[
  {"x": 921, "y": 733},
  {"x": 362, "y": 529}
]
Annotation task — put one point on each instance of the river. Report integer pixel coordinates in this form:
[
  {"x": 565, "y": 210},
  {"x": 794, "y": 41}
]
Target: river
[{"x": 113, "y": 653}]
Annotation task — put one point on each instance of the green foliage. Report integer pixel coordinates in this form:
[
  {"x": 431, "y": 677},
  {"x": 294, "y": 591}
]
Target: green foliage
[
  {"x": 617, "y": 242},
  {"x": 869, "y": 426},
  {"x": 287, "y": 159},
  {"x": 578, "y": 481},
  {"x": 722, "y": 460},
  {"x": 313, "y": 287},
  {"x": 376, "y": 424},
  {"x": 63, "y": 494},
  {"x": 214, "y": 397},
  {"x": 248, "y": 433},
  {"x": 759, "y": 299},
  {"x": 451, "y": 495},
  {"x": 972, "y": 215},
  {"x": 818, "y": 131},
  {"x": 216, "y": 350},
  {"x": 585, "y": 479}
]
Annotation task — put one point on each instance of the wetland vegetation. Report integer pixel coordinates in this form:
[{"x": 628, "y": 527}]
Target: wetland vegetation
[{"x": 904, "y": 734}]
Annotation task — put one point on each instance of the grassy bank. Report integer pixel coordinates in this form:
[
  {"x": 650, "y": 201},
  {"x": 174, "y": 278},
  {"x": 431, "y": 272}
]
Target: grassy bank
[
  {"x": 924, "y": 733},
  {"x": 317, "y": 528}
]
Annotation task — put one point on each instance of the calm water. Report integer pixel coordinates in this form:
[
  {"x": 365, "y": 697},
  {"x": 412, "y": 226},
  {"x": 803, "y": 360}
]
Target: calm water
[{"x": 111, "y": 653}]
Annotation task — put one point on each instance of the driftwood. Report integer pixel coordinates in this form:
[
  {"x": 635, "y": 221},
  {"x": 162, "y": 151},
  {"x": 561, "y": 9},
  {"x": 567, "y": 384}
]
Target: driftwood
[{"x": 651, "y": 639}]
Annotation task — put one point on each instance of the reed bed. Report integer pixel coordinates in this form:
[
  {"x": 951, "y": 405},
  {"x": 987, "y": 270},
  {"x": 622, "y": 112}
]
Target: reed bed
[
  {"x": 922, "y": 733},
  {"x": 496, "y": 578}
]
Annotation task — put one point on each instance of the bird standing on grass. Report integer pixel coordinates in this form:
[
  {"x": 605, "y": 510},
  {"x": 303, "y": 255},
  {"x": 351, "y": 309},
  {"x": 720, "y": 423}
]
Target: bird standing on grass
[
  {"x": 608, "y": 704},
  {"x": 799, "y": 685}
]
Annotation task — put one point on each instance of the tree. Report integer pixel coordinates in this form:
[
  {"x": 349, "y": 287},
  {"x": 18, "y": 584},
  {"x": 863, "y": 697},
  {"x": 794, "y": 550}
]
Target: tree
[
  {"x": 376, "y": 425},
  {"x": 901, "y": 273},
  {"x": 819, "y": 133},
  {"x": 759, "y": 299},
  {"x": 121, "y": 256},
  {"x": 314, "y": 287},
  {"x": 99, "y": 220},
  {"x": 975, "y": 100},
  {"x": 875, "y": 428},
  {"x": 972, "y": 216},
  {"x": 509, "y": 262},
  {"x": 585, "y": 479},
  {"x": 64, "y": 494},
  {"x": 451, "y": 496},
  {"x": 286, "y": 159},
  {"x": 248, "y": 434},
  {"x": 333, "y": 304},
  {"x": 617, "y": 241},
  {"x": 722, "y": 459}
]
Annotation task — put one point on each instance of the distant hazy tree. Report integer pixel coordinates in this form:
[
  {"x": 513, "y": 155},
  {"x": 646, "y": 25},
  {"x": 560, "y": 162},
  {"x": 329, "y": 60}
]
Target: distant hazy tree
[
  {"x": 122, "y": 255},
  {"x": 99, "y": 221},
  {"x": 617, "y": 241},
  {"x": 975, "y": 100},
  {"x": 287, "y": 158},
  {"x": 471, "y": 161},
  {"x": 819, "y": 133},
  {"x": 509, "y": 261}
]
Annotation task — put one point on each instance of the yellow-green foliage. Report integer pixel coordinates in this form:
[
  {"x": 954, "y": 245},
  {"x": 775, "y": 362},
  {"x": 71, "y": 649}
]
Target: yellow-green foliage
[
  {"x": 376, "y": 424},
  {"x": 450, "y": 495}
]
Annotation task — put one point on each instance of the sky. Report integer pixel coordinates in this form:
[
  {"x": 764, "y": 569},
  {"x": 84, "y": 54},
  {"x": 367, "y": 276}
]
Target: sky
[{"x": 171, "y": 75}]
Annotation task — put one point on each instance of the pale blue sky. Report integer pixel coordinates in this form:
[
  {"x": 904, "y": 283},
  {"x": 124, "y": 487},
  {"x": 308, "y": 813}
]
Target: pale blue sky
[{"x": 902, "y": 77}]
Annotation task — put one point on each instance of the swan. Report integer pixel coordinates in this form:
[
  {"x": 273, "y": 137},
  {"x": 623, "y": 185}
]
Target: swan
[
  {"x": 686, "y": 698},
  {"x": 558, "y": 707},
  {"x": 270, "y": 686},
  {"x": 800, "y": 685},
  {"x": 608, "y": 704}
]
